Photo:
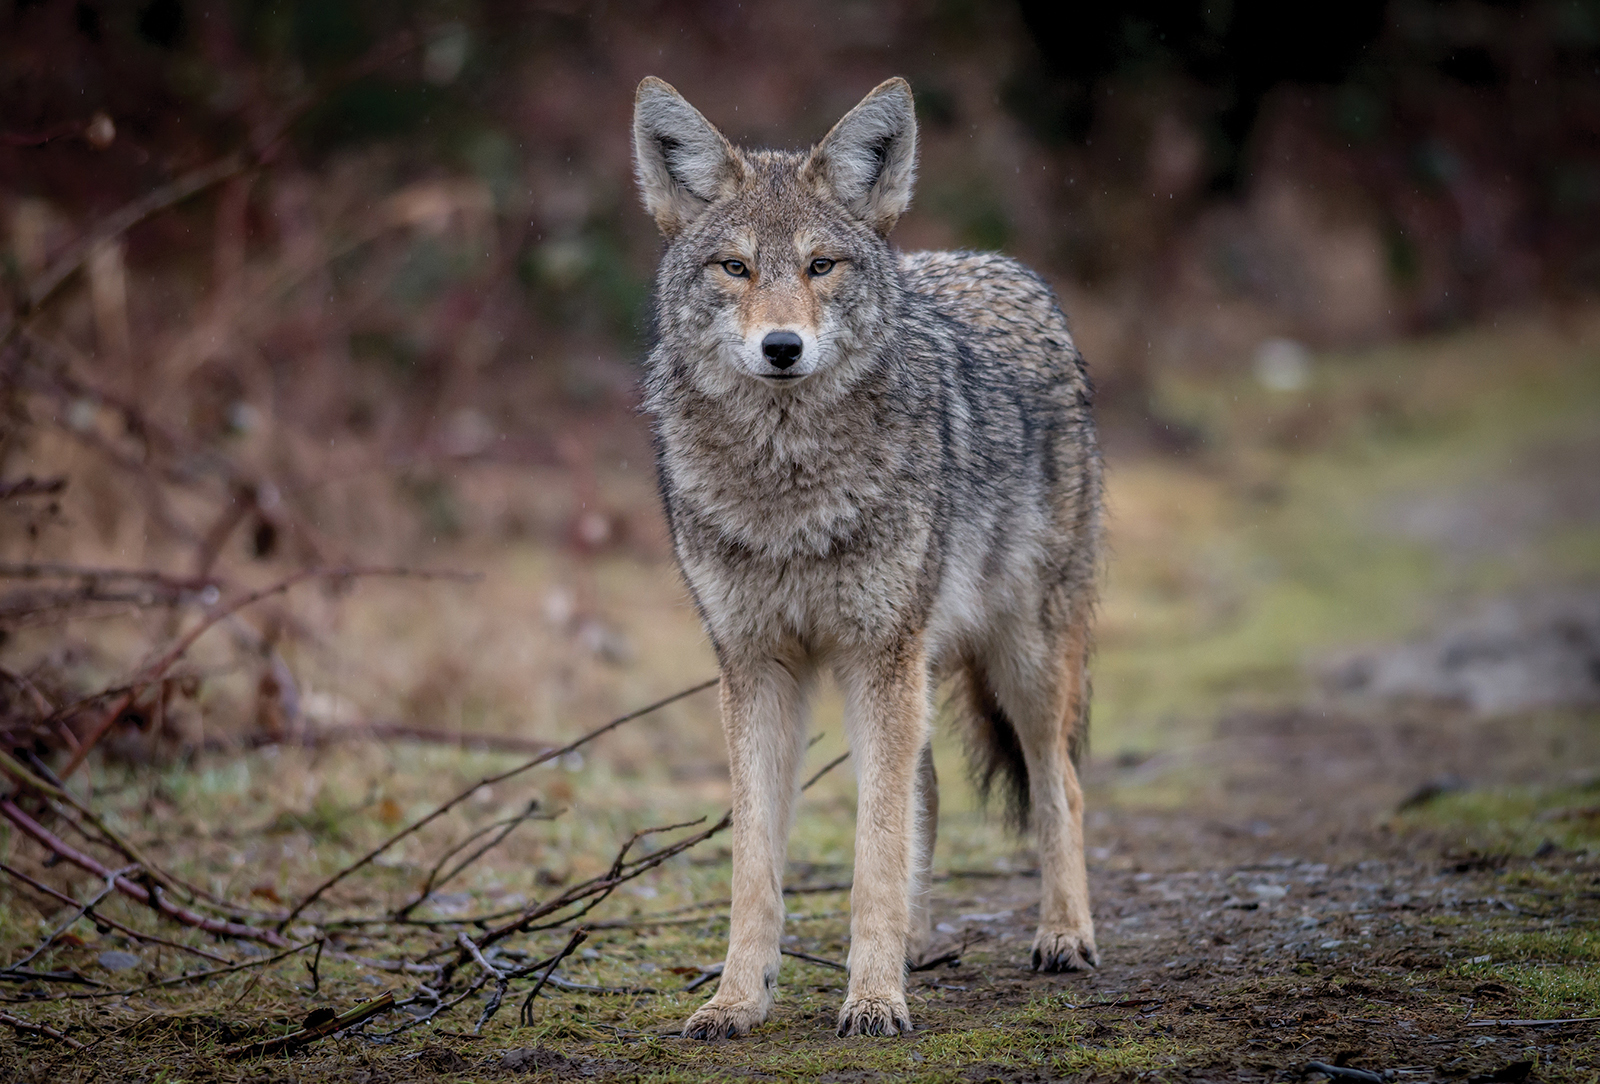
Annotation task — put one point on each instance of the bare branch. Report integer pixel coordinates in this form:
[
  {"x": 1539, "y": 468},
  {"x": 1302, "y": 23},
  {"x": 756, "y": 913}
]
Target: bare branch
[
  {"x": 490, "y": 780},
  {"x": 30, "y": 1028}
]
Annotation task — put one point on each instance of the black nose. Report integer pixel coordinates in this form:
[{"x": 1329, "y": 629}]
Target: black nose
[{"x": 782, "y": 348}]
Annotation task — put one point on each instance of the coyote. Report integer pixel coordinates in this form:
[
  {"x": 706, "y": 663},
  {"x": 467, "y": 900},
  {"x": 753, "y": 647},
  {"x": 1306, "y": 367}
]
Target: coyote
[{"x": 883, "y": 465}]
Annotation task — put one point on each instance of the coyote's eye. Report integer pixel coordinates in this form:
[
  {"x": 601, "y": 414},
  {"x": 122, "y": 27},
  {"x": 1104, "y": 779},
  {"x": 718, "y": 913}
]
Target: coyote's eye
[
  {"x": 820, "y": 266},
  {"x": 736, "y": 268}
]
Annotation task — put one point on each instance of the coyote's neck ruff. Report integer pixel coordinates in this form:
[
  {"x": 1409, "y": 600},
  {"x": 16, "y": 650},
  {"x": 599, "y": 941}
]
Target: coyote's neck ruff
[{"x": 880, "y": 465}]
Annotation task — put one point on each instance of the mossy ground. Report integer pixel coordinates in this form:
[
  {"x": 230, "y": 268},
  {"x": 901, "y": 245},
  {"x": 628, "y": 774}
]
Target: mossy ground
[{"x": 1260, "y": 902}]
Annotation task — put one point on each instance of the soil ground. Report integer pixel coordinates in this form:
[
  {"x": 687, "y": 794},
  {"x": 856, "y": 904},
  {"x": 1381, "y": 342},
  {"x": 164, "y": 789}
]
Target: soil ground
[{"x": 1290, "y": 916}]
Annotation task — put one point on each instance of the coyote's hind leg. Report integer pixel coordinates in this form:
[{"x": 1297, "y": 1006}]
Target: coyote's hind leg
[
  {"x": 920, "y": 935},
  {"x": 1044, "y": 697}
]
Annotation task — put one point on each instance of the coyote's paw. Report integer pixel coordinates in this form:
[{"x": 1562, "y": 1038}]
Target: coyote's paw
[
  {"x": 713, "y": 1021},
  {"x": 875, "y": 1016},
  {"x": 1064, "y": 950}
]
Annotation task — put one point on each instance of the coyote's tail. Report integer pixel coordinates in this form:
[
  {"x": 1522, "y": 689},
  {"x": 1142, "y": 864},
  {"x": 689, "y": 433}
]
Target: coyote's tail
[{"x": 994, "y": 752}]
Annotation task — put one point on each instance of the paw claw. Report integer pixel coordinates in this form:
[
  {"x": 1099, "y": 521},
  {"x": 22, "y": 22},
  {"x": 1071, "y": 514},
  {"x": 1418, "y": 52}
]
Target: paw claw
[
  {"x": 712, "y": 1021},
  {"x": 881, "y": 1016},
  {"x": 1066, "y": 950}
]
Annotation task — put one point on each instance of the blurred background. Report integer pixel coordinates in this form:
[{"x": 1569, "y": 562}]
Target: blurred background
[{"x": 1334, "y": 268}]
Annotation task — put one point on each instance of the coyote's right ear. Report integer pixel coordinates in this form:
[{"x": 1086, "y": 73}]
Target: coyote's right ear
[{"x": 682, "y": 163}]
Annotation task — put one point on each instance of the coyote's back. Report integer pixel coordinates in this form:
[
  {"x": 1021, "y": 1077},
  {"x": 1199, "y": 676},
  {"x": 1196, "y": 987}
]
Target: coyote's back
[{"x": 883, "y": 466}]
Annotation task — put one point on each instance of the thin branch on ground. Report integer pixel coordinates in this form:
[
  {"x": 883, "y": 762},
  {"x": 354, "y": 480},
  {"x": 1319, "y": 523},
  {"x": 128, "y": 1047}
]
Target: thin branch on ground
[
  {"x": 83, "y": 909},
  {"x": 95, "y": 916},
  {"x": 151, "y": 895},
  {"x": 30, "y": 1028},
  {"x": 435, "y": 879},
  {"x": 317, "y": 893},
  {"x": 820, "y": 961},
  {"x": 177, "y": 980},
  {"x": 321, "y": 1029},
  {"x": 579, "y": 936}
]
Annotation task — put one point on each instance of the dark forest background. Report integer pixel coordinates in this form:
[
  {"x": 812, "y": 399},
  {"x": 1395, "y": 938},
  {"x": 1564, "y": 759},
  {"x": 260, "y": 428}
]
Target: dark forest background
[{"x": 289, "y": 285}]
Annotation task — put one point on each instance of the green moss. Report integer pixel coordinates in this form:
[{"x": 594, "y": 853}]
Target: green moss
[{"x": 1514, "y": 820}]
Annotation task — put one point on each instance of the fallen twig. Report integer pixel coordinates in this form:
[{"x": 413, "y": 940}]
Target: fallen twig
[
  {"x": 948, "y": 959},
  {"x": 317, "y": 892},
  {"x": 1343, "y": 1072},
  {"x": 820, "y": 961},
  {"x": 579, "y": 936},
  {"x": 435, "y": 879},
  {"x": 707, "y": 973},
  {"x": 501, "y": 981},
  {"x": 317, "y": 1027},
  {"x": 137, "y": 935},
  {"x": 178, "y": 980},
  {"x": 1532, "y": 1023},
  {"x": 151, "y": 895},
  {"x": 219, "y": 613},
  {"x": 29, "y": 1027},
  {"x": 83, "y": 909}
]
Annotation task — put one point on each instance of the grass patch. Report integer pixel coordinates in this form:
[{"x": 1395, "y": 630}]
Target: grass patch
[{"x": 1514, "y": 820}]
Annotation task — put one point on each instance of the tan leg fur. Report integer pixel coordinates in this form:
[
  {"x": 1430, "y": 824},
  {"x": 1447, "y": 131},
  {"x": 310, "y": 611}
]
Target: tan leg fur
[
  {"x": 887, "y": 721},
  {"x": 763, "y": 718},
  {"x": 1065, "y": 939}
]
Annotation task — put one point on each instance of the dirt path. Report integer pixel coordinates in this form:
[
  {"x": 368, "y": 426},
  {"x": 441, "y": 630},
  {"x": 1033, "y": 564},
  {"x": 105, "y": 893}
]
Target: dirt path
[
  {"x": 1277, "y": 912},
  {"x": 1279, "y": 917}
]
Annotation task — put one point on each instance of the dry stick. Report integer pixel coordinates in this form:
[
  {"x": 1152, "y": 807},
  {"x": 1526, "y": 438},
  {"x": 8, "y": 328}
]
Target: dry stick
[
  {"x": 18, "y": 771},
  {"x": 308, "y": 1035},
  {"x": 490, "y": 780},
  {"x": 502, "y": 981},
  {"x": 579, "y": 936},
  {"x": 489, "y": 743},
  {"x": 820, "y": 961},
  {"x": 178, "y": 980},
  {"x": 117, "y": 223},
  {"x": 30, "y": 1027},
  {"x": 157, "y": 669},
  {"x": 439, "y": 1008},
  {"x": 434, "y": 880},
  {"x": 1532, "y": 1023},
  {"x": 316, "y": 962},
  {"x": 51, "y": 789},
  {"x": 602, "y": 886},
  {"x": 83, "y": 909},
  {"x": 589, "y": 894},
  {"x": 95, "y": 916},
  {"x": 151, "y": 895},
  {"x": 597, "y": 889}
]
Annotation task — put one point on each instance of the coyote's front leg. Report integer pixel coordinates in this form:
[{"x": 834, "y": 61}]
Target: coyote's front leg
[
  {"x": 886, "y": 716},
  {"x": 763, "y": 721}
]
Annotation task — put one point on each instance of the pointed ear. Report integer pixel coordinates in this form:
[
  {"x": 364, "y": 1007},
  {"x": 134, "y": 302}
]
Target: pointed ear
[
  {"x": 681, "y": 162},
  {"x": 869, "y": 160}
]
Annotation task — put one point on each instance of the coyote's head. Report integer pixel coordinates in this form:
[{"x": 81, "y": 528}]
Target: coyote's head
[{"x": 777, "y": 268}]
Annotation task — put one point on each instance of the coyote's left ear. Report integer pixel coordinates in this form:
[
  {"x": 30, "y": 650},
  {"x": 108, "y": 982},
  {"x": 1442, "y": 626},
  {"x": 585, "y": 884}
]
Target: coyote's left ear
[{"x": 869, "y": 160}]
